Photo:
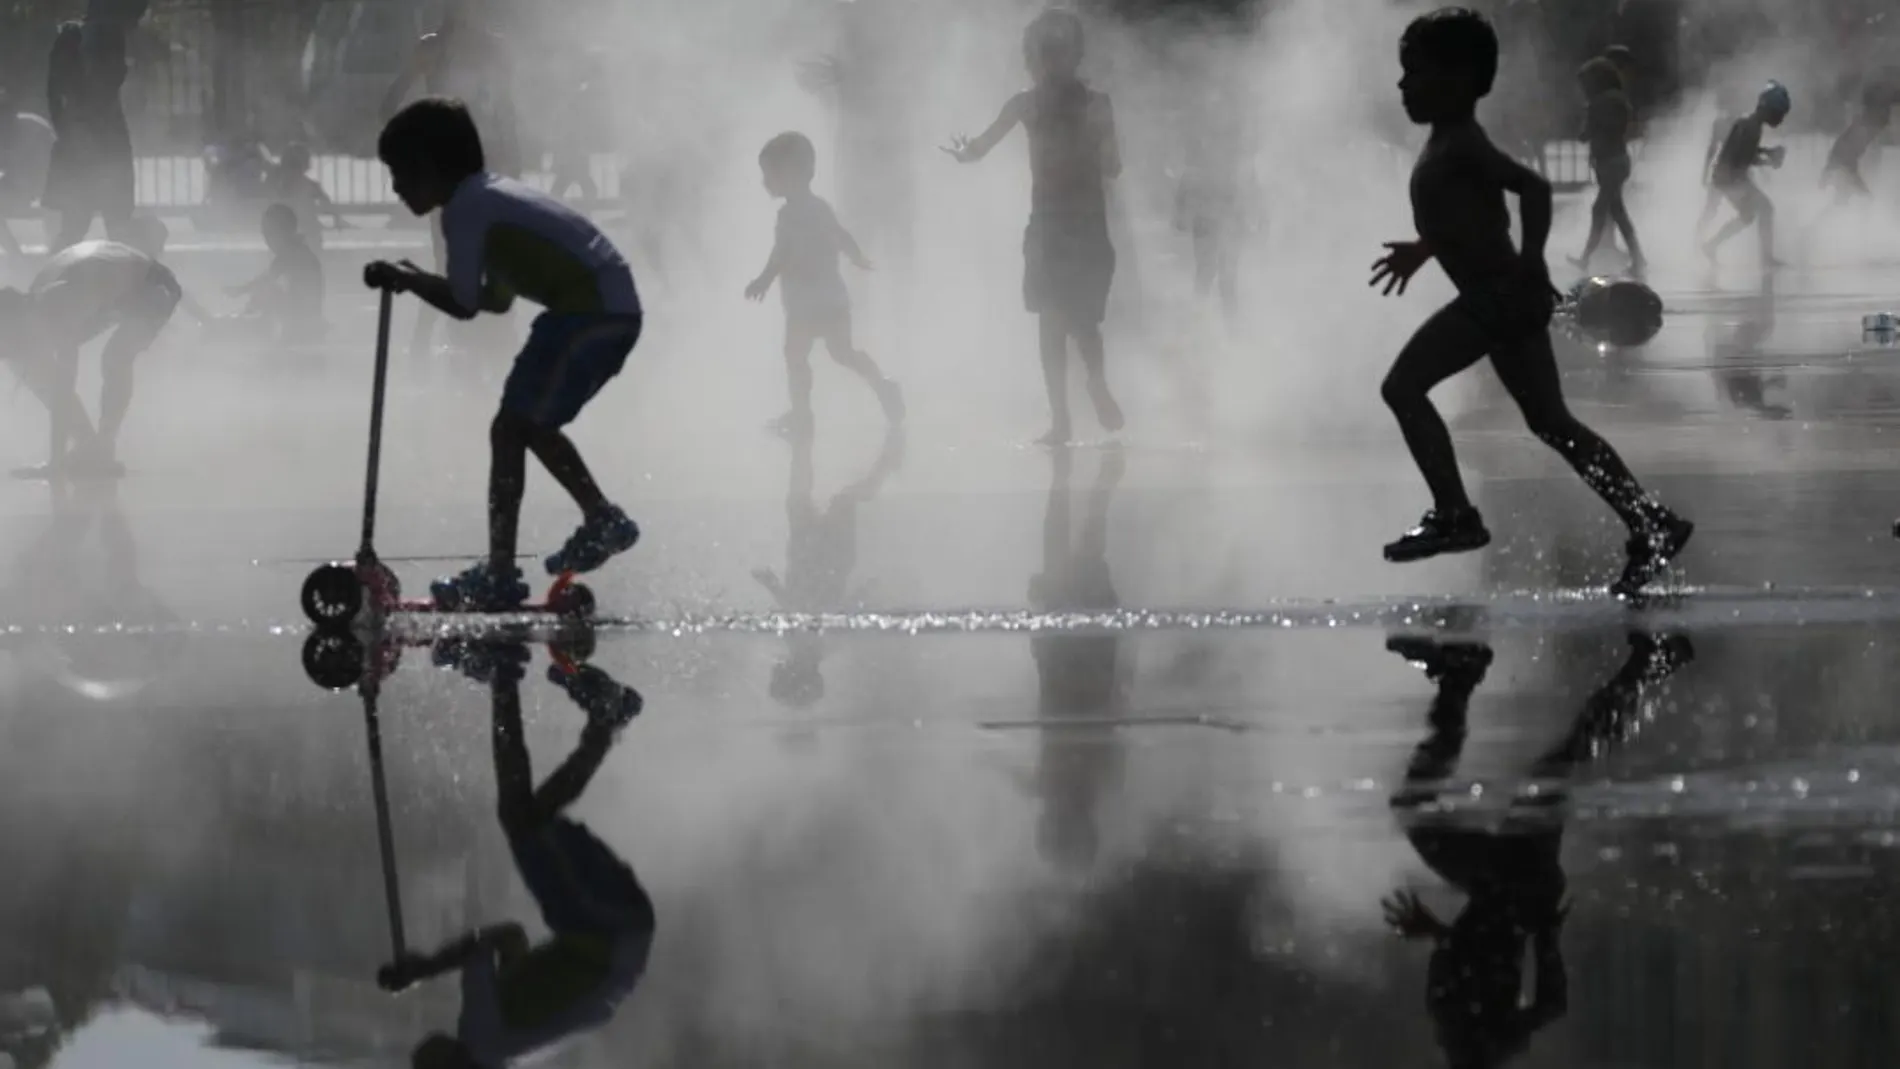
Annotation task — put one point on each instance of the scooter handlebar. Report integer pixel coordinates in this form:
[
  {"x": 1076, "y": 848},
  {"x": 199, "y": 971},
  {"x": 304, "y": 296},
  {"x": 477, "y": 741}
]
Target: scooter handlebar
[{"x": 381, "y": 275}]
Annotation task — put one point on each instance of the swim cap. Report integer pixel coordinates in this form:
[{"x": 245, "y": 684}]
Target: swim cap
[{"x": 1774, "y": 98}]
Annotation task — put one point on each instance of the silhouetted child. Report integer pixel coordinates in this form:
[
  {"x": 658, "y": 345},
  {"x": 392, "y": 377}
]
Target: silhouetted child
[
  {"x": 1503, "y": 307},
  {"x": 289, "y": 183},
  {"x": 288, "y": 296},
  {"x": 1216, "y": 196},
  {"x": 504, "y": 239},
  {"x": 804, "y": 263},
  {"x": 1510, "y": 868},
  {"x": 87, "y": 290},
  {"x": 1741, "y": 150},
  {"x": 1607, "y": 129},
  {"x": 1068, "y": 259},
  {"x": 1842, "y": 171},
  {"x": 1712, "y": 198},
  {"x": 520, "y": 998}
]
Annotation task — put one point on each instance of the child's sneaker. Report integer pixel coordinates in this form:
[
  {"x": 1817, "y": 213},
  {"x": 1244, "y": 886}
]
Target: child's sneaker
[
  {"x": 609, "y": 704},
  {"x": 793, "y": 425},
  {"x": 1651, "y": 550},
  {"x": 480, "y": 589},
  {"x": 483, "y": 662},
  {"x": 1450, "y": 531},
  {"x": 595, "y": 542}
]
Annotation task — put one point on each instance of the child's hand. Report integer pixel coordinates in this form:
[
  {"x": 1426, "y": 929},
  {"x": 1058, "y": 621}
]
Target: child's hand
[
  {"x": 756, "y": 289},
  {"x": 1409, "y": 917},
  {"x": 383, "y": 275},
  {"x": 861, "y": 262},
  {"x": 1776, "y": 155},
  {"x": 1396, "y": 268},
  {"x": 959, "y": 150},
  {"x": 398, "y": 975}
]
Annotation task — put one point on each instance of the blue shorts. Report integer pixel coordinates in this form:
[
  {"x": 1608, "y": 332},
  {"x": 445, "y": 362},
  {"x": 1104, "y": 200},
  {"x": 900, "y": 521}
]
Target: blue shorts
[
  {"x": 567, "y": 360},
  {"x": 581, "y": 885}
]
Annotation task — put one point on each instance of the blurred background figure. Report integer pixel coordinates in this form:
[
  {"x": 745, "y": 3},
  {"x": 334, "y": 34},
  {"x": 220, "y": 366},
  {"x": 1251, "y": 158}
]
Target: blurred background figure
[{"x": 91, "y": 172}]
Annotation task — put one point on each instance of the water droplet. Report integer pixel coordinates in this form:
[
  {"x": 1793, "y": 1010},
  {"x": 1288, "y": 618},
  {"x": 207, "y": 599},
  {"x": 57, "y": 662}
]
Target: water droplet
[{"x": 1675, "y": 785}]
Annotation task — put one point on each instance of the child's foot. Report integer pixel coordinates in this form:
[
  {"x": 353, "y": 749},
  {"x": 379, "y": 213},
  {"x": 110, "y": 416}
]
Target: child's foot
[
  {"x": 891, "y": 399},
  {"x": 1055, "y": 436},
  {"x": 609, "y": 704},
  {"x": 598, "y": 539},
  {"x": 1650, "y": 551},
  {"x": 1107, "y": 412},
  {"x": 793, "y": 425},
  {"x": 1708, "y": 253},
  {"x": 483, "y": 662},
  {"x": 1662, "y": 655},
  {"x": 480, "y": 588},
  {"x": 1638, "y": 267},
  {"x": 1581, "y": 263},
  {"x": 1438, "y": 532}
]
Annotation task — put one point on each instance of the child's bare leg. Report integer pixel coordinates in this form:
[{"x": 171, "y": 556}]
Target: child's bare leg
[
  {"x": 1619, "y": 214},
  {"x": 1449, "y": 342},
  {"x": 1054, "y": 339},
  {"x": 1765, "y": 218},
  {"x": 843, "y": 350},
  {"x": 508, "y": 438},
  {"x": 1599, "y": 225},
  {"x": 799, "y": 338},
  {"x": 556, "y": 452},
  {"x": 1747, "y": 205},
  {"x": 514, "y": 772},
  {"x": 1088, "y": 346},
  {"x": 1529, "y": 372}
]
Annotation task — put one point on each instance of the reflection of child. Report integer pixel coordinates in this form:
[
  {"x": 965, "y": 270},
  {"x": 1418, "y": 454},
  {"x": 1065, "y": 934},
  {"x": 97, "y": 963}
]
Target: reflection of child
[
  {"x": 519, "y": 998},
  {"x": 288, "y": 296}
]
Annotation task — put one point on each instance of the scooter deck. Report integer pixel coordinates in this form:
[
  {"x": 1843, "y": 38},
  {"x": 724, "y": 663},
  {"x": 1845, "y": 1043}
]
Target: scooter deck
[{"x": 557, "y": 602}]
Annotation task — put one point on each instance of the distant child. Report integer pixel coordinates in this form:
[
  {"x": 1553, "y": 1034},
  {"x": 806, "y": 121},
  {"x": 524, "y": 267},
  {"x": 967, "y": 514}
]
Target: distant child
[
  {"x": 504, "y": 239},
  {"x": 804, "y": 263},
  {"x": 1068, "y": 259},
  {"x": 288, "y": 296},
  {"x": 521, "y": 999},
  {"x": 1741, "y": 150},
  {"x": 289, "y": 183},
  {"x": 1607, "y": 131},
  {"x": 1842, "y": 171},
  {"x": 1503, "y": 307},
  {"x": 87, "y": 290},
  {"x": 1216, "y": 197}
]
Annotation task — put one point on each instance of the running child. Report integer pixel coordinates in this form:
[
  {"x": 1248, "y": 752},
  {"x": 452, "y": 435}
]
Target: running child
[
  {"x": 1741, "y": 150},
  {"x": 804, "y": 263},
  {"x": 288, "y": 296},
  {"x": 519, "y": 999},
  {"x": 503, "y": 239},
  {"x": 1503, "y": 307},
  {"x": 87, "y": 290},
  {"x": 1607, "y": 127},
  {"x": 1842, "y": 174},
  {"x": 1068, "y": 259},
  {"x": 289, "y": 183}
]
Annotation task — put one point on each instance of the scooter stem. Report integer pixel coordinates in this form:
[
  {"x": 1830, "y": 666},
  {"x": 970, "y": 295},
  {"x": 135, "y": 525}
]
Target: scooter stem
[{"x": 376, "y": 422}]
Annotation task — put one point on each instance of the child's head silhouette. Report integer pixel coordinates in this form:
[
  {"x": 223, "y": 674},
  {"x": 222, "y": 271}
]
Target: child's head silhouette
[
  {"x": 1450, "y": 61},
  {"x": 1052, "y": 46},
  {"x": 1599, "y": 76},
  {"x": 789, "y": 163},
  {"x": 295, "y": 158}
]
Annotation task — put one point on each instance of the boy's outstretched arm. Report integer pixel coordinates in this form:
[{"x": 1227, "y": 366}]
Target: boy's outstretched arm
[
  {"x": 1110, "y": 141},
  {"x": 760, "y": 286},
  {"x": 504, "y": 938},
  {"x": 849, "y": 245},
  {"x": 968, "y": 151}
]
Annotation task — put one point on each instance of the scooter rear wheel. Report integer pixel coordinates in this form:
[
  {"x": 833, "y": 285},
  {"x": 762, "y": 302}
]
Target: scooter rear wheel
[{"x": 332, "y": 595}]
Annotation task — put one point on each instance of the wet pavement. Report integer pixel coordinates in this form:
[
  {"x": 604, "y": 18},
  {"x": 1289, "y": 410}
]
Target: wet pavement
[{"x": 952, "y": 752}]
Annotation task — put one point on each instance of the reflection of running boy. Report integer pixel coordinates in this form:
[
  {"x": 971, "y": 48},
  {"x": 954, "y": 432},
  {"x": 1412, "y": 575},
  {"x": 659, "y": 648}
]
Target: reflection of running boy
[
  {"x": 85, "y": 291},
  {"x": 1741, "y": 150},
  {"x": 1509, "y": 869},
  {"x": 503, "y": 239},
  {"x": 804, "y": 263},
  {"x": 1503, "y": 307},
  {"x": 516, "y": 998},
  {"x": 1068, "y": 259}
]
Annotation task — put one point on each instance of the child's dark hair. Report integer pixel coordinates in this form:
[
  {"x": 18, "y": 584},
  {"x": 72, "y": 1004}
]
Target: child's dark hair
[
  {"x": 437, "y": 132},
  {"x": 792, "y": 152},
  {"x": 1458, "y": 37},
  {"x": 1599, "y": 76},
  {"x": 280, "y": 217},
  {"x": 296, "y": 156},
  {"x": 1055, "y": 37}
]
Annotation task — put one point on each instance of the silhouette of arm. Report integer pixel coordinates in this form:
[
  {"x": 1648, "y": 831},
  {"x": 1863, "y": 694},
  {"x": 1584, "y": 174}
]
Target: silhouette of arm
[
  {"x": 968, "y": 151},
  {"x": 1110, "y": 142}
]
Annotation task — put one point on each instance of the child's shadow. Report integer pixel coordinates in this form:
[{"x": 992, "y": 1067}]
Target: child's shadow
[{"x": 1510, "y": 869}]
